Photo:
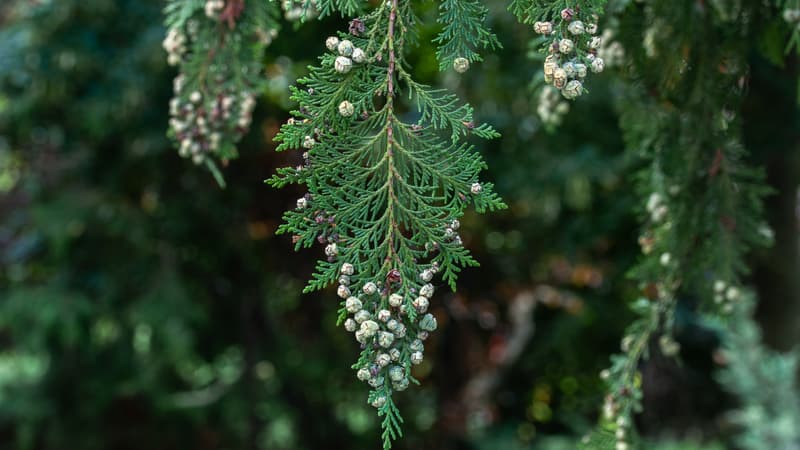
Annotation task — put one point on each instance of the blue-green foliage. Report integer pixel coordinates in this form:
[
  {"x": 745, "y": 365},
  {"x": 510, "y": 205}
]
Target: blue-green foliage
[{"x": 764, "y": 382}]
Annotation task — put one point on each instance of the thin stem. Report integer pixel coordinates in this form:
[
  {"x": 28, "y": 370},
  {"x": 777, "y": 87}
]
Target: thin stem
[{"x": 391, "y": 171}]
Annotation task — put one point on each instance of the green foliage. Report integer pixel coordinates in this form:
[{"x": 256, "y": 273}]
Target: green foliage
[
  {"x": 463, "y": 32},
  {"x": 384, "y": 196},
  {"x": 177, "y": 13},
  {"x": 346, "y": 8}
]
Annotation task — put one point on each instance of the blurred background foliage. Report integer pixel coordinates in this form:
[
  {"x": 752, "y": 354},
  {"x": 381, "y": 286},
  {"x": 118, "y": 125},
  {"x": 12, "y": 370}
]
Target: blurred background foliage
[{"x": 143, "y": 307}]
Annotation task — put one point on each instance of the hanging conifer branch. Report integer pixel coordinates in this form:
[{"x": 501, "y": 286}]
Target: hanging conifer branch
[
  {"x": 703, "y": 203},
  {"x": 218, "y": 46},
  {"x": 384, "y": 196}
]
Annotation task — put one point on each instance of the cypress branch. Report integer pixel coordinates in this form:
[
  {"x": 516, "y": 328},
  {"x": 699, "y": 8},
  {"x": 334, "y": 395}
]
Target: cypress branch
[{"x": 384, "y": 196}]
